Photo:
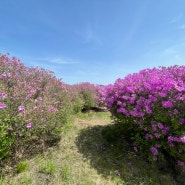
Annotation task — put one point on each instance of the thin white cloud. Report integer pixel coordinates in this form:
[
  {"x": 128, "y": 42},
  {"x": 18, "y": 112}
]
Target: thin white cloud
[
  {"x": 62, "y": 61},
  {"x": 56, "y": 60}
]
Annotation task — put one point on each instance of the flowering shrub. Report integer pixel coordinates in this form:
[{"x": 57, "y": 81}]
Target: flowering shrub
[
  {"x": 101, "y": 94},
  {"x": 83, "y": 96},
  {"x": 150, "y": 105},
  {"x": 33, "y": 103}
]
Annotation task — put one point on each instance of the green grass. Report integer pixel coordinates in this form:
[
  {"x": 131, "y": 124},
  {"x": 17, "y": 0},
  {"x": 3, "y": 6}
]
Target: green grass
[
  {"x": 91, "y": 115},
  {"x": 87, "y": 155},
  {"x": 48, "y": 167},
  {"x": 21, "y": 166}
]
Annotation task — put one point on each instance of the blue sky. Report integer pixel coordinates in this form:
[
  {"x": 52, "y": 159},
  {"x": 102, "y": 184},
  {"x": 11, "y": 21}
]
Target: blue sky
[{"x": 94, "y": 40}]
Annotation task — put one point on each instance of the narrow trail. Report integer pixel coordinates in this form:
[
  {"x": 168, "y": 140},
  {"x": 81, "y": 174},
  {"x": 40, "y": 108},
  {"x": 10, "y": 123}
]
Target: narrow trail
[
  {"x": 93, "y": 119},
  {"x": 94, "y": 122}
]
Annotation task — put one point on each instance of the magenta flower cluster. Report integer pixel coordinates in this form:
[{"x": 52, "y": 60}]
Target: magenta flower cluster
[{"x": 152, "y": 101}]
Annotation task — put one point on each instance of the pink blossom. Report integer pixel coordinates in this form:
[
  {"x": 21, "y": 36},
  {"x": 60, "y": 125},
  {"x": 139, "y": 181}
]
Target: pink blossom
[
  {"x": 180, "y": 163},
  {"x": 119, "y": 103},
  {"x": 135, "y": 149},
  {"x": 2, "y": 105},
  {"x": 157, "y": 145},
  {"x": 29, "y": 125},
  {"x": 175, "y": 111},
  {"x": 117, "y": 173},
  {"x": 167, "y": 104},
  {"x": 170, "y": 138},
  {"x": 164, "y": 132},
  {"x": 182, "y": 139},
  {"x": 3, "y": 95},
  {"x": 145, "y": 129},
  {"x": 148, "y": 110},
  {"x": 160, "y": 125},
  {"x": 157, "y": 135},
  {"x": 181, "y": 121},
  {"x": 9, "y": 75},
  {"x": 1, "y": 76},
  {"x": 21, "y": 108},
  {"x": 162, "y": 94},
  {"x": 148, "y": 136},
  {"x": 154, "y": 151},
  {"x": 154, "y": 128}
]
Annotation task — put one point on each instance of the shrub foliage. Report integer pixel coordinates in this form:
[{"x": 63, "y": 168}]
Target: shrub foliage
[
  {"x": 33, "y": 104},
  {"x": 150, "y": 106},
  {"x": 83, "y": 96}
]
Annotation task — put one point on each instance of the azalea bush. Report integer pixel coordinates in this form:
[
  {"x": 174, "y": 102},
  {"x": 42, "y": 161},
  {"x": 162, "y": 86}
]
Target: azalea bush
[
  {"x": 33, "y": 104},
  {"x": 150, "y": 106},
  {"x": 83, "y": 96},
  {"x": 101, "y": 94}
]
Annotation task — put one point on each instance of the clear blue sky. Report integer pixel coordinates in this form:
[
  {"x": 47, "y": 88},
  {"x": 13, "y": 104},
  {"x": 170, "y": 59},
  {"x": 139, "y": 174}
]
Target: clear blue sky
[{"x": 94, "y": 40}]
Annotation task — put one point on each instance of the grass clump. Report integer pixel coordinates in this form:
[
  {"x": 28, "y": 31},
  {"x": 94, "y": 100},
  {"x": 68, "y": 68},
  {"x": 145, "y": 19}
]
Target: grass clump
[
  {"x": 21, "y": 166},
  {"x": 65, "y": 173},
  {"x": 48, "y": 167}
]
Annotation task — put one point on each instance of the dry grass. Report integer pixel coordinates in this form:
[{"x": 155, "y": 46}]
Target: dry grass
[{"x": 84, "y": 157}]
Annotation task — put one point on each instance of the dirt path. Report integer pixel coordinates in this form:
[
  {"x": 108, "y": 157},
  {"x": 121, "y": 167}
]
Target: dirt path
[{"x": 93, "y": 122}]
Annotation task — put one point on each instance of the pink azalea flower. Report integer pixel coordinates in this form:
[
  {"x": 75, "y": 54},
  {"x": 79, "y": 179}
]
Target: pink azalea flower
[
  {"x": 157, "y": 135},
  {"x": 167, "y": 104},
  {"x": 182, "y": 139},
  {"x": 181, "y": 121},
  {"x": 29, "y": 125},
  {"x": 2, "y": 105},
  {"x": 154, "y": 128},
  {"x": 160, "y": 125},
  {"x": 180, "y": 163},
  {"x": 117, "y": 173},
  {"x": 1, "y": 76},
  {"x": 3, "y": 95},
  {"x": 135, "y": 149},
  {"x": 21, "y": 107},
  {"x": 175, "y": 111},
  {"x": 154, "y": 151},
  {"x": 157, "y": 145}
]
